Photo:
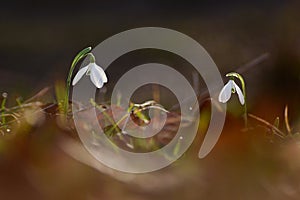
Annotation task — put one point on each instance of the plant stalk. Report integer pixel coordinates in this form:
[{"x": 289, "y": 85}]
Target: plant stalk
[{"x": 77, "y": 58}]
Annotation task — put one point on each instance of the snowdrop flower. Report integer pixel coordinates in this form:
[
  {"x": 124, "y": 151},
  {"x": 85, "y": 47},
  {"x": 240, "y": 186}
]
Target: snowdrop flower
[
  {"x": 96, "y": 73},
  {"x": 232, "y": 87},
  {"x": 228, "y": 89}
]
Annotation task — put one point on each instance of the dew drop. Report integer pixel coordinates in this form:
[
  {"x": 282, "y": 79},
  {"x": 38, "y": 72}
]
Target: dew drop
[
  {"x": 8, "y": 130},
  {"x": 180, "y": 137},
  {"x": 191, "y": 108},
  {"x": 130, "y": 146}
]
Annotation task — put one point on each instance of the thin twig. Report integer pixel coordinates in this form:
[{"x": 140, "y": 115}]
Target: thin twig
[
  {"x": 22, "y": 106},
  {"x": 286, "y": 120},
  {"x": 41, "y": 110},
  {"x": 41, "y": 93},
  {"x": 277, "y": 132},
  {"x": 246, "y": 67}
]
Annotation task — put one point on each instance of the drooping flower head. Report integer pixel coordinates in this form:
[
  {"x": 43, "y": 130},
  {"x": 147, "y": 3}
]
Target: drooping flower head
[
  {"x": 228, "y": 89},
  {"x": 96, "y": 73},
  {"x": 232, "y": 87}
]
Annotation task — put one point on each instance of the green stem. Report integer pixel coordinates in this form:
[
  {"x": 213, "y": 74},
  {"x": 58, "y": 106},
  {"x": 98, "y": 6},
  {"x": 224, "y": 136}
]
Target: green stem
[
  {"x": 102, "y": 111},
  {"x": 77, "y": 58},
  {"x": 3, "y": 108},
  {"x": 18, "y": 100},
  {"x": 129, "y": 110},
  {"x": 241, "y": 79},
  {"x": 92, "y": 58},
  {"x": 106, "y": 115}
]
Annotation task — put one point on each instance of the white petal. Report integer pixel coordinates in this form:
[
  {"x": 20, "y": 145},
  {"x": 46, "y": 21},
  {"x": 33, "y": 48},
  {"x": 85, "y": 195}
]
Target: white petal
[
  {"x": 240, "y": 94},
  {"x": 225, "y": 93},
  {"x": 96, "y": 78},
  {"x": 100, "y": 72},
  {"x": 79, "y": 74}
]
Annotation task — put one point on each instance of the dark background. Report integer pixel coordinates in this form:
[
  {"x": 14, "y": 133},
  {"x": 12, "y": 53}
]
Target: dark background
[{"x": 40, "y": 38}]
